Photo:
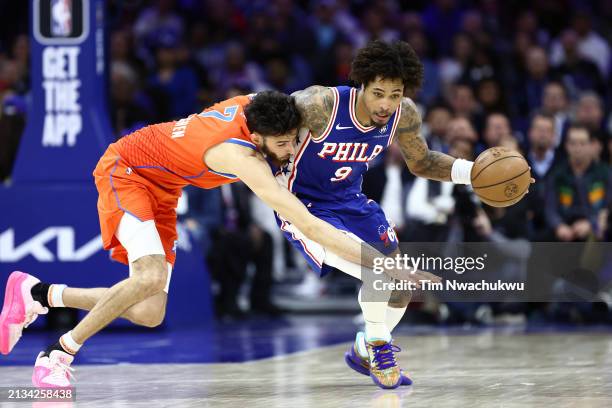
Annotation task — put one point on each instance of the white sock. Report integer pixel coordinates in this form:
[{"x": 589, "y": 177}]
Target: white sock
[
  {"x": 361, "y": 346},
  {"x": 394, "y": 316},
  {"x": 68, "y": 343},
  {"x": 374, "y": 314},
  {"x": 55, "y": 297}
]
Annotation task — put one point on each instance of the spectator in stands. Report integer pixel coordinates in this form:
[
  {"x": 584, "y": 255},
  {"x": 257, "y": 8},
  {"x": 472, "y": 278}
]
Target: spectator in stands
[
  {"x": 542, "y": 158},
  {"x": 376, "y": 27},
  {"x": 452, "y": 68},
  {"x": 12, "y": 113},
  {"x": 589, "y": 45},
  {"x": 238, "y": 69},
  {"x": 461, "y": 128},
  {"x": 291, "y": 28},
  {"x": 12, "y": 125},
  {"x": 430, "y": 204},
  {"x": 327, "y": 35},
  {"x": 491, "y": 96},
  {"x": 527, "y": 24},
  {"x": 21, "y": 59},
  {"x": 555, "y": 102},
  {"x": 343, "y": 53},
  {"x": 577, "y": 190},
  {"x": 431, "y": 84},
  {"x": 464, "y": 103},
  {"x": 437, "y": 120},
  {"x": 530, "y": 85},
  {"x": 174, "y": 85},
  {"x": 590, "y": 113},
  {"x": 497, "y": 126},
  {"x": 158, "y": 19},
  {"x": 442, "y": 19},
  {"x": 578, "y": 73},
  {"x": 127, "y": 112},
  {"x": 121, "y": 50}
]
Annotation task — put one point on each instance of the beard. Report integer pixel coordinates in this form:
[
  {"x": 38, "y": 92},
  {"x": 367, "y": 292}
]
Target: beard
[{"x": 278, "y": 161}]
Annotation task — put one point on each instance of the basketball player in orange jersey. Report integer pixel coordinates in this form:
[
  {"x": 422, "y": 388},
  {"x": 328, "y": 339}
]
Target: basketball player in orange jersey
[
  {"x": 342, "y": 130},
  {"x": 139, "y": 180}
]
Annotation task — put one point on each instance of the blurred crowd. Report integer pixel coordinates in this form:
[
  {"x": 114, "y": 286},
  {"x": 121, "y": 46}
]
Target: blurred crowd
[{"x": 531, "y": 75}]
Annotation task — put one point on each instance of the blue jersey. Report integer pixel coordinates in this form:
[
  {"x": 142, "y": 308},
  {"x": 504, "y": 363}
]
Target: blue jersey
[{"x": 331, "y": 166}]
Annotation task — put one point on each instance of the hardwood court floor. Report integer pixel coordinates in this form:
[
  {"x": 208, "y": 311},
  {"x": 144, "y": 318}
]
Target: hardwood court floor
[{"x": 481, "y": 370}]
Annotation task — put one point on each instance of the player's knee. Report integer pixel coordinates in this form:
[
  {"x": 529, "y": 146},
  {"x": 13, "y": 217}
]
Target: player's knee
[
  {"x": 400, "y": 298},
  {"x": 148, "y": 318},
  {"x": 152, "y": 285},
  {"x": 148, "y": 313},
  {"x": 150, "y": 274},
  {"x": 153, "y": 318}
]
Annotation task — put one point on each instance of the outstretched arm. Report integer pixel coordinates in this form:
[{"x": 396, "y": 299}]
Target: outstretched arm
[
  {"x": 420, "y": 160},
  {"x": 256, "y": 174},
  {"x": 253, "y": 170}
]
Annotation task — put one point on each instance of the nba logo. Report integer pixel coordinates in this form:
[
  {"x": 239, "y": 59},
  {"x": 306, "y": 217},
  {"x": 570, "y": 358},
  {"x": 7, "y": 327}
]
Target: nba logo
[{"x": 61, "y": 18}]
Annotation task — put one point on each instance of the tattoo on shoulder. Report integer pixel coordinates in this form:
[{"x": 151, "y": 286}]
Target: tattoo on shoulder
[
  {"x": 410, "y": 119},
  {"x": 316, "y": 104}
]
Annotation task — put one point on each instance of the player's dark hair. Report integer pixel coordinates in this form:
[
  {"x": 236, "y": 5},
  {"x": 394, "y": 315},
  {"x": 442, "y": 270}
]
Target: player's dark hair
[
  {"x": 388, "y": 61},
  {"x": 272, "y": 113}
]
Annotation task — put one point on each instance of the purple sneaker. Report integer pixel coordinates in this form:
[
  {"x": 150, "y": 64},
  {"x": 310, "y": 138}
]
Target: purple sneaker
[
  {"x": 356, "y": 362},
  {"x": 384, "y": 370},
  {"x": 362, "y": 364}
]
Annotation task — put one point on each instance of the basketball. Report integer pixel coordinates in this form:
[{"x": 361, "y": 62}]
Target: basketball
[{"x": 500, "y": 177}]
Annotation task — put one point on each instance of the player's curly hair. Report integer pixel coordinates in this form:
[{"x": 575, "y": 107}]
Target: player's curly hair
[
  {"x": 272, "y": 113},
  {"x": 389, "y": 61}
]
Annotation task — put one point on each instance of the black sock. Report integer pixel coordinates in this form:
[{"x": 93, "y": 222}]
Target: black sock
[
  {"x": 40, "y": 293},
  {"x": 56, "y": 346}
]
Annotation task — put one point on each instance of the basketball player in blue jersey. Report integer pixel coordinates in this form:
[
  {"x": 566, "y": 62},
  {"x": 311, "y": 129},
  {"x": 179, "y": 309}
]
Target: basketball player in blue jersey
[{"x": 343, "y": 129}]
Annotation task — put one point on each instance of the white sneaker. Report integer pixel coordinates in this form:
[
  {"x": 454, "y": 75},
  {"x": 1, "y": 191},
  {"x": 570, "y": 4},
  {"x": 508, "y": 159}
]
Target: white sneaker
[{"x": 53, "y": 371}]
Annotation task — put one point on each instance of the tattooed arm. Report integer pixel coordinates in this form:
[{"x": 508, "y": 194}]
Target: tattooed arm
[
  {"x": 421, "y": 161},
  {"x": 315, "y": 104}
]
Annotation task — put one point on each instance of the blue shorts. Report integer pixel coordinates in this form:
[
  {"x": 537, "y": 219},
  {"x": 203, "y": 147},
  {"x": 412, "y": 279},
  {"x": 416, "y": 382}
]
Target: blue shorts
[{"x": 363, "y": 219}]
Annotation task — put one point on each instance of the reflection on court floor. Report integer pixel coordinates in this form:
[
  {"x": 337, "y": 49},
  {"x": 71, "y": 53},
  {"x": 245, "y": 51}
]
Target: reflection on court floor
[{"x": 476, "y": 368}]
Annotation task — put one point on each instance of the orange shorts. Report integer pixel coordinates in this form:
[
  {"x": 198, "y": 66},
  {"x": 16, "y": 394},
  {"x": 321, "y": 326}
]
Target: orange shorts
[{"x": 121, "y": 190}]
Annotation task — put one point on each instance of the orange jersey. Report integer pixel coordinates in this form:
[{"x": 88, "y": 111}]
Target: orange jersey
[
  {"x": 172, "y": 154},
  {"x": 143, "y": 173}
]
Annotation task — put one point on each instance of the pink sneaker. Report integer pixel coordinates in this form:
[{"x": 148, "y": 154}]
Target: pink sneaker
[
  {"x": 53, "y": 371},
  {"x": 19, "y": 309}
]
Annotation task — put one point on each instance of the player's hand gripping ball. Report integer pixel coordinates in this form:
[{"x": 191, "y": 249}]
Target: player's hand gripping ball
[{"x": 500, "y": 177}]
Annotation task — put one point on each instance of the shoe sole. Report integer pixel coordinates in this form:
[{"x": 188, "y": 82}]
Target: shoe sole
[
  {"x": 10, "y": 325},
  {"x": 40, "y": 384},
  {"x": 383, "y": 386}
]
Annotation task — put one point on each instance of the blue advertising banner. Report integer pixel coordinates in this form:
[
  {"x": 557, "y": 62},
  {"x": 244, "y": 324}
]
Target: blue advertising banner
[
  {"x": 49, "y": 223},
  {"x": 68, "y": 127},
  {"x": 53, "y": 233}
]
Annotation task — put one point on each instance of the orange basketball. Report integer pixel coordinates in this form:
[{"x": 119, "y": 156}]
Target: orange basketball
[{"x": 500, "y": 177}]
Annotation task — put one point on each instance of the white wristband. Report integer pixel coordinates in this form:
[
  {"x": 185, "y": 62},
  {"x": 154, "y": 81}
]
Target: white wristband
[{"x": 461, "y": 170}]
